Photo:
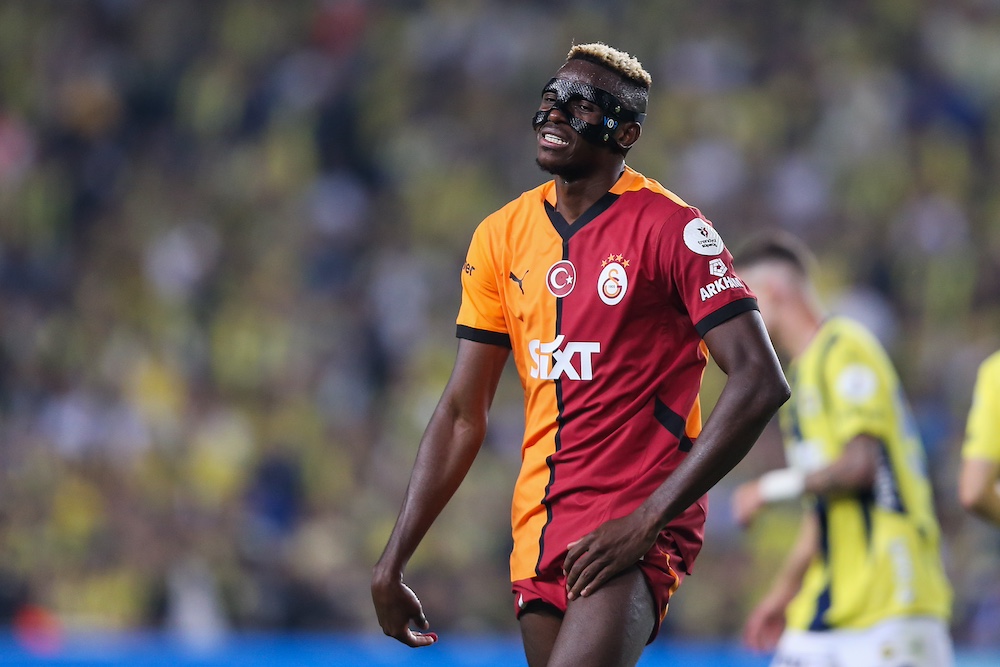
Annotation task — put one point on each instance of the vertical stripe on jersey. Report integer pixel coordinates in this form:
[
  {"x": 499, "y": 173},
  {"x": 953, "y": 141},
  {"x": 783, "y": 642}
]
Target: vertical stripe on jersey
[
  {"x": 823, "y": 601},
  {"x": 822, "y": 606},
  {"x": 886, "y": 489},
  {"x": 529, "y": 515},
  {"x": 566, "y": 231},
  {"x": 865, "y": 501},
  {"x": 558, "y": 437}
]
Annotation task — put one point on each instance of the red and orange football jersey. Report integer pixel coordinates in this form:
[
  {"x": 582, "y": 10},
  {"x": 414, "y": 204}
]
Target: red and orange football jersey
[{"x": 605, "y": 318}]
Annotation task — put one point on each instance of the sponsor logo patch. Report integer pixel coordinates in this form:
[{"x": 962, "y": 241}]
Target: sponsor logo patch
[
  {"x": 561, "y": 278},
  {"x": 701, "y": 237},
  {"x": 857, "y": 383},
  {"x": 551, "y": 361},
  {"x": 519, "y": 281},
  {"x": 720, "y": 285},
  {"x": 717, "y": 267}
]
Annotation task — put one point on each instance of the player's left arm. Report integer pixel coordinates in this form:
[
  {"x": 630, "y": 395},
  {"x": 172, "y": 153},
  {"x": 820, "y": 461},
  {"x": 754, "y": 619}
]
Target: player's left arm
[
  {"x": 979, "y": 488},
  {"x": 755, "y": 388}
]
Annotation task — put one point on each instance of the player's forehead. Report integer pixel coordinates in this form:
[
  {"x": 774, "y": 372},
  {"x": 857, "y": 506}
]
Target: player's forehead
[{"x": 584, "y": 71}]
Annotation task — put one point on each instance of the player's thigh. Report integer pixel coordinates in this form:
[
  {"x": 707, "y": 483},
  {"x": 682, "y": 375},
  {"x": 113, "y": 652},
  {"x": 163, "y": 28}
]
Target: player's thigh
[
  {"x": 540, "y": 623},
  {"x": 608, "y": 628}
]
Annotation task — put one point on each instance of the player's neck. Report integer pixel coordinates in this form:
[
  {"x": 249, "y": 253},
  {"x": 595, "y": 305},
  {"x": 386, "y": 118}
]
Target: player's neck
[{"x": 575, "y": 197}]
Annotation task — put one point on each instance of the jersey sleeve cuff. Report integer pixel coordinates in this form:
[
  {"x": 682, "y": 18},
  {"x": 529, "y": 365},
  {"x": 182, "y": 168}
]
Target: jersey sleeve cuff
[
  {"x": 483, "y": 336},
  {"x": 727, "y": 312}
]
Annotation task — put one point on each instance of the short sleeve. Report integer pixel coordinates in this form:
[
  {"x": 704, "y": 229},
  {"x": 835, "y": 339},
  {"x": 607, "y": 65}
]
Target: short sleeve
[
  {"x": 856, "y": 390},
  {"x": 698, "y": 264},
  {"x": 982, "y": 431},
  {"x": 481, "y": 316}
]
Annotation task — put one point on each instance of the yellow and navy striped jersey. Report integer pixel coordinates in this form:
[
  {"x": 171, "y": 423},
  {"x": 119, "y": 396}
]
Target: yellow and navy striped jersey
[
  {"x": 879, "y": 554},
  {"x": 982, "y": 434}
]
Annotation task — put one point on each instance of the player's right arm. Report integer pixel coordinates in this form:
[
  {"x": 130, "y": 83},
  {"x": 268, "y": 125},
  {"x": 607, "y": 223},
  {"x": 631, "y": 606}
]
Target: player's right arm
[
  {"x": 447, "y": 449},
  {"x": 767, "y": 620}
]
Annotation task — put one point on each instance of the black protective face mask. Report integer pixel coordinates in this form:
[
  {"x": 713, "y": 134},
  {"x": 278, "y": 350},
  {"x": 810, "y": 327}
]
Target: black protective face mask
[{"x": 566, "y": 91}]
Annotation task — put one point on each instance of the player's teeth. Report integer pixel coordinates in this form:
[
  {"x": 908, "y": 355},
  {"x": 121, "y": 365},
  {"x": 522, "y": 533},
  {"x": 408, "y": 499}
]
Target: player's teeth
[{"x": 555, "y": 140}]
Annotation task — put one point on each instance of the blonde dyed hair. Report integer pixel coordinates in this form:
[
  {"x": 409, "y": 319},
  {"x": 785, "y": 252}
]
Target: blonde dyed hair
[{"x": 620, "y": 62}]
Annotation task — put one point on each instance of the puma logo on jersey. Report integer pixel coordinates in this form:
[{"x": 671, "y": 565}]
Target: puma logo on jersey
[
  {"x": 554, "y": 360},
  {"x": 720, "y": 285},
  {"x": 519, "y": 281}
]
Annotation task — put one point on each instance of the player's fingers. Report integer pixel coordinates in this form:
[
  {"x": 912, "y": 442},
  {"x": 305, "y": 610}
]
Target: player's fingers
[
  {"x": 417, "y": 639},
  {"x": 751, "y": 631},
  {"x": 584, "y": 579},
  {"x": 750, "y": 638},
  {"x": 577, "y": 568},
  {"x": 573, "y": 551},
  {"x": 770, "y": 639},
  {"x": 601, "y": 576}
]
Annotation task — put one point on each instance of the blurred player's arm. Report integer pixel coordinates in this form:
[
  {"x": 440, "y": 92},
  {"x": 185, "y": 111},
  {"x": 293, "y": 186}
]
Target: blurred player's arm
[
  {"x": 447, "y": 449},
  {"x": 767, "y": 620},
  {"x": 755, "y": 388},
  {"x": 854, "y": 471},
  {"x": 979, "y": 488}
]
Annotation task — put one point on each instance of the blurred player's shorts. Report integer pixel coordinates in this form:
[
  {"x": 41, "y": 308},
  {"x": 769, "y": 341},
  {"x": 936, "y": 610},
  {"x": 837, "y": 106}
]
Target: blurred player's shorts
[{"x": 918, "y": 641}]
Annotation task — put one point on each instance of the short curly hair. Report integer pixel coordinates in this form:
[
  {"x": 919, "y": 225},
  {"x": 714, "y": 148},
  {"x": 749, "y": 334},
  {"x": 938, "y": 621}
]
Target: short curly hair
[
  {"x": 635, "y": 80},
  {"x": 626, "y": 65}
]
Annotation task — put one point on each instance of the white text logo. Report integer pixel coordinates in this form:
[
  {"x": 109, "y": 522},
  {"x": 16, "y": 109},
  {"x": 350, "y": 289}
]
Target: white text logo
[
  {"x": 719, "y": 286},
  {"x": 554, "y": 360}
]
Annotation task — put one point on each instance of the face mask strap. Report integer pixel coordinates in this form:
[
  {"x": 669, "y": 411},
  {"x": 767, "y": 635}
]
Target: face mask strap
[{"x": 614, "y": 111}]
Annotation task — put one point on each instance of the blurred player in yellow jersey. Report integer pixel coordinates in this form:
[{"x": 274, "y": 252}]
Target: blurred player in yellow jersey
[
  {"x": 979, "y": 483},
  {"x": 863, "y": 585}
]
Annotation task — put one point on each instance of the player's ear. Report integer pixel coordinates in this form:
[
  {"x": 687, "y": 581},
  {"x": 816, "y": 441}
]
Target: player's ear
[{"x": 628, "y": 134}]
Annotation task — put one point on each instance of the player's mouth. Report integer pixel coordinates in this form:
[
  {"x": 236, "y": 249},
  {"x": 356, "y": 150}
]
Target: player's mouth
[{"x": 550, "y": 139}]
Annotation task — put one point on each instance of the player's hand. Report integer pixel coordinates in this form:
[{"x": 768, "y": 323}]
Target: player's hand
[
  {"x": 595, "y": 558},
  {"x": 396, "y": 606},
  {"x": 747, "y": 501},
  {"x": 765, "y": 625}
]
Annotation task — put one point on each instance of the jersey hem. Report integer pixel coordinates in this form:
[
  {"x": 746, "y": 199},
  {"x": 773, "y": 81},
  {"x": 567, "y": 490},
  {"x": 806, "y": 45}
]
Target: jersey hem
[
  {"x": 727, "y": 312},
  {"x": 483, "y": 336}
]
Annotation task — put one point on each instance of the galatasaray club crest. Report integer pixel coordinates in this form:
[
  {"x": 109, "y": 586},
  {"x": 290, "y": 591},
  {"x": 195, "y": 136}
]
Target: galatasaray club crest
[
  {"x": 561, "y": 278},
  {"x": 613, "y": 281}
]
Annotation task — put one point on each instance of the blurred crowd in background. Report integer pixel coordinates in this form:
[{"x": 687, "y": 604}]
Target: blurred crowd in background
[{"x": 230, "y": 242}]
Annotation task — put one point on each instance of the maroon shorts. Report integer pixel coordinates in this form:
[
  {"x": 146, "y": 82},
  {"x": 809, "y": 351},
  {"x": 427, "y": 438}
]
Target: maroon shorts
[{"x": 661, "y": 578}]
